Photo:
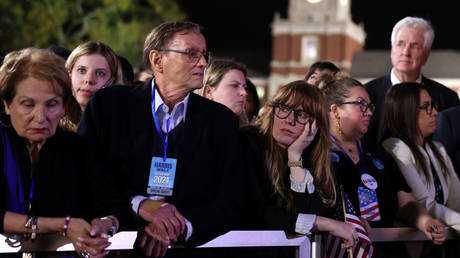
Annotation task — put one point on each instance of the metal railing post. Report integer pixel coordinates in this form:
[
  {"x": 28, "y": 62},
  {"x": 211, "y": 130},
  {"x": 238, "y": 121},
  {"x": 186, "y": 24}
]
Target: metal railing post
[{"x": 316, "y": 245}]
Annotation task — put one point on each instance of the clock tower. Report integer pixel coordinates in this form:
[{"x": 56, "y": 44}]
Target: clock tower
[{"x": 314, "y": 30}]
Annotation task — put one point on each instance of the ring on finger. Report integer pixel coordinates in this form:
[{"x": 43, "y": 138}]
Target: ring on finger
[{"x": 84, "y": 254}]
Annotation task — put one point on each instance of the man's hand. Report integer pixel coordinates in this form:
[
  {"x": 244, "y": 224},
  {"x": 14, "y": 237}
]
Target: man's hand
[
  {"x": 165, "y": 218},
  {"x": 79, "y": 232},
  {"x": 153, "y": 241}
]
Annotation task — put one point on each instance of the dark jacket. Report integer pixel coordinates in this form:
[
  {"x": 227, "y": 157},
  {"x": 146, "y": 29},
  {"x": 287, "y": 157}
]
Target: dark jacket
[
  {"x": 448, "y": 133},
  {"x": 120, "y": 130},
  {"x": 62, "y": 176}
]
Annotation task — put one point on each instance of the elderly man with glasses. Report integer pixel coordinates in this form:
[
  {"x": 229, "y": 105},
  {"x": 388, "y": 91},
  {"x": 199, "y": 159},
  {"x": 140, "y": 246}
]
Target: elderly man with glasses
[{"x": 171, "y": 157}]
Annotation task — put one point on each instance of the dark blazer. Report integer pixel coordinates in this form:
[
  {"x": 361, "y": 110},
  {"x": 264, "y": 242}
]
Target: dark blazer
[
  {"x": 377, "y": 89},
  {"x": 121, "y": 133},
  {"x": 62, "y": 177},
  {"x": 448, "y": 133}
]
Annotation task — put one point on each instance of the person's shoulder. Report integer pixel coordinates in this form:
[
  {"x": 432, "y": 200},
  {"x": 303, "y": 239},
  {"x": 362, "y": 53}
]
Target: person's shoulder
[
  {"x": 67, "y": 136},
  {"x": 440, "y": 147},
  {"x": 67, "y": 140},
  {"x": 451, "y": 112},
  {"x": 377, "y": 82},
  {"x": 251, "y": 133},
  {"x": 394, "y": 145},
  {"x": 210, "y": 108},
  {"x": 437, "y": 86},
  {"x": 121, "y": 91},
  {"x": 250, "y": 130}
]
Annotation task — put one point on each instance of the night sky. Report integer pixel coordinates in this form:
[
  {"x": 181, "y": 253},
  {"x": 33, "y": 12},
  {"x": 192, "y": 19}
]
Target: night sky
[{"x": 242, "y": 27}]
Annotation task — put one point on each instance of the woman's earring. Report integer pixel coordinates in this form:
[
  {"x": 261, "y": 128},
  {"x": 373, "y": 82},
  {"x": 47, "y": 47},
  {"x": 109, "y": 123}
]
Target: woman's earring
[{"x": 338, "y": 127}]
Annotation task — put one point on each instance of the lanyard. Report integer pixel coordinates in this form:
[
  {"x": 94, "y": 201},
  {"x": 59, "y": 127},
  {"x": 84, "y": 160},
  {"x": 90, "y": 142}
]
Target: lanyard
[
  {"x": 31, "y": 195},
  {"x": 157, "y": 126},
  {"x": 361, "y": 172}
]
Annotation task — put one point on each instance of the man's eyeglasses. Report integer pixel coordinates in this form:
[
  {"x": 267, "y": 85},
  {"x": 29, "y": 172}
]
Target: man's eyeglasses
[
  {"x": 428, "y": 107},
  {"x": 300, "y": 116},
  {"x": 192, "y": 56},
  {"x": 363, "y": 106}
]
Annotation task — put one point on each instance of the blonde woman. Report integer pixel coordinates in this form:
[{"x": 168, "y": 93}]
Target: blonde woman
[
  {"x": 91, "y": 66},
  {"x": 225, "y": 82}
]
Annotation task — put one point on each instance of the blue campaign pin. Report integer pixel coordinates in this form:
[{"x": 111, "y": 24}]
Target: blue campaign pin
[{"x": 378, "y": 163}]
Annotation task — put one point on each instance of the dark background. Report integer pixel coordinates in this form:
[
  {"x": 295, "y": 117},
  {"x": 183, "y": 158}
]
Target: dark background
[{"x": 242, "y": 28}]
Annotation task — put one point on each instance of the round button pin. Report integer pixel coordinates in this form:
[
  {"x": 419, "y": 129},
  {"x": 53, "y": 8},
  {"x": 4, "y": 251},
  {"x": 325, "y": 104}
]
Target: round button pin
[{"x": 369, "y": 181}]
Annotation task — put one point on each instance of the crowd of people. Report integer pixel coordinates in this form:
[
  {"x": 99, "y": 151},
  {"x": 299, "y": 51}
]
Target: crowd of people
[{"x": 183, "y": 152}]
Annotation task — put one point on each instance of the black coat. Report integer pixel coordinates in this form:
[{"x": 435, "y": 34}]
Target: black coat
[
  {"x": 377, "y": 89},
  {"x": 63, "y": 177},
  {"x": 448, "y": 133},
  {"x": 120, "y": 131}
]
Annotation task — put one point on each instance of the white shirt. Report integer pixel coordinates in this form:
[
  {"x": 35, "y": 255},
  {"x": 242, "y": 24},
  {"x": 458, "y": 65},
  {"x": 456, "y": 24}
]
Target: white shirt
[
  {"x": 394, "y": 79},
  {"x": 304, "y": 222}
]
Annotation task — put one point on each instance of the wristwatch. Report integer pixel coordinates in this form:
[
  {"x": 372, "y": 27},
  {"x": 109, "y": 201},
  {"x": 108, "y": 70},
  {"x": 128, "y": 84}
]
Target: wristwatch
[
  {"x": 113, "y": 228},
  {"x": 297, "y": 163}
]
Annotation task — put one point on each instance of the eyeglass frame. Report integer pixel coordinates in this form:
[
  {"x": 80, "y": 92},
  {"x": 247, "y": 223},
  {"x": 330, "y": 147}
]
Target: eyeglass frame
[
  {"x": 432, "y": 106},
  {"x": 188, "y": 53},
  {"x": 296, "y": 112},
  {"x": 370, "y": 105}
]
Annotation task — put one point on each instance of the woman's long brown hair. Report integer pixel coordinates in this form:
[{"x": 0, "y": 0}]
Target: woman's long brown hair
[{"x": 318, "y": 161}]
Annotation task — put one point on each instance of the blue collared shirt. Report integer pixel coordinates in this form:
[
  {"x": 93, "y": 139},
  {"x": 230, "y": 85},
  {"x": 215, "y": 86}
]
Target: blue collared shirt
[{"x": 162, "y": 111}]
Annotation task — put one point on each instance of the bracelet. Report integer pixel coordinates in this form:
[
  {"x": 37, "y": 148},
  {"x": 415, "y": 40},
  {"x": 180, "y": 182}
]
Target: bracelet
[
  {"x": 31, "y": 223},
  {"x": 295, "y": 163},
  {"x": 33, "y": 236},
  {"x": 66, "y": 225},
  {"x": 113, "y": 228}
]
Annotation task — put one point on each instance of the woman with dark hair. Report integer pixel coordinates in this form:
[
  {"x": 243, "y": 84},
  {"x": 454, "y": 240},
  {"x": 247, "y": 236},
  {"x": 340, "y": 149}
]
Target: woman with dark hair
[
  {"x": 289, "y": 156},
  {"x": 409, "y": 121},
  {"x": 371, "y": 179},
  {"x": 46, "y": 181},
  {"x": 318, "y": 69}
]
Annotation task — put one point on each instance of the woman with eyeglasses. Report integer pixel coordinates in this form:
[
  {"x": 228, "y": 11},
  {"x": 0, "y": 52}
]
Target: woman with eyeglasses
[
  {"x": 289, "y": 157},
  {"x": 371, "y": 180},
  {"x": 91, "y": 66},
  {"x": 409, "y": 121}
]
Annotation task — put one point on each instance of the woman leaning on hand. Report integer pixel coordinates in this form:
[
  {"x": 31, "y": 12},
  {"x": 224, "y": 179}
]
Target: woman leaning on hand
[
  {"x": 289, "y": 157},
  {"x": 45, "y": 185}
]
